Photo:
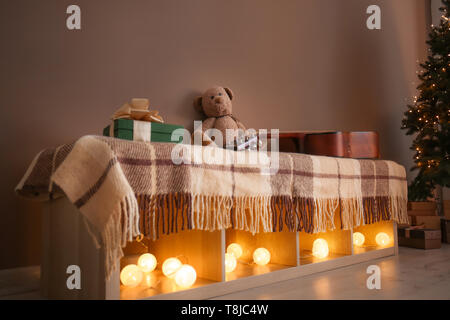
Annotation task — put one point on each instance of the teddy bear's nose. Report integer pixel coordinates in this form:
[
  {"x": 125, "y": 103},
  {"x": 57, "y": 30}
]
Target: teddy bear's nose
[{"x": 218, "y": 100}]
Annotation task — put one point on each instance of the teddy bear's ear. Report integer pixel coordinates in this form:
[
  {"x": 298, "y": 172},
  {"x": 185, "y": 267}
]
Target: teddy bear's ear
[
  {"x": 229, "y": 92},
  {"x": 198, "y": 104}
]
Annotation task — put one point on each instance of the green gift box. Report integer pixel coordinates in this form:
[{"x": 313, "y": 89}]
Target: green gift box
[{"x": 143, "y": 131}]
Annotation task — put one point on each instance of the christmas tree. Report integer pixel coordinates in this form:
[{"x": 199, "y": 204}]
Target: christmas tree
[{"x": 428, "y": 117}]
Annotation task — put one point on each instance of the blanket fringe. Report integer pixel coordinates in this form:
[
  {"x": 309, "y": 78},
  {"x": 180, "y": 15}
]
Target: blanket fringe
[
  {"x": 399, "y": 210},
  {"x": 122, "y": 226},
  {"x": 352, "y": 213},
  {"x": 169, "y": 213},
  {"x": 252, "y": 214},
  {"x": 376, "y": 209},
  {"x": 324, "y": 214}
]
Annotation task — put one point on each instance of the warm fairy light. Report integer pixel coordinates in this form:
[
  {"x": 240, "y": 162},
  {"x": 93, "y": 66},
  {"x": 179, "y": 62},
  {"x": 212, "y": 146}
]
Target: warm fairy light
[
  {"x": 147, "y": 262},
  {"x": 170, "y": 267},
  {"x": 235, "y": 249},
  {"x": 147, "y": 280},
  {"x": 358, "y": 239},
  {"x": 261, "y": 256},
  {"x": 382, "y": 239},
  {"x": 131, "y": 275},
  {"x": 185, "y": 276},
  {"x": 230, "y": 262},
  {"x": 320, "y": 248}
]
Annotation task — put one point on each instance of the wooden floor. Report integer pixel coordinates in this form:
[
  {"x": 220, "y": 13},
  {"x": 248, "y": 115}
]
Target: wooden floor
[{"x": 414, "y": 274}]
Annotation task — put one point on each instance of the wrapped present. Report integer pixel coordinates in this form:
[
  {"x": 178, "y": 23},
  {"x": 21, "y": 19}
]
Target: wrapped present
[
  {"x": 137, "y": 109},
  {"x": 419, "y": 238},
  {"x": 143, "y": 131},
  {"x": 428, "y": 222},
  {"x": 422, "y": 205},
  {"x": 414, "y": 213}
]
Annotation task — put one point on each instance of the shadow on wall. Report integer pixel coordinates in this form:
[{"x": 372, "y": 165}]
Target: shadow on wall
[
  {"x": 408, "y": 63},
  {"x": 382, "y": 64}
]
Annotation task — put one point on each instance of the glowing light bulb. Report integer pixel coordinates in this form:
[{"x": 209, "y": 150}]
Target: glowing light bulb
[
  {"x": 131, "y": 275},
  {"x": 230, "y": 262},
  {"x": 147, "y": 280},
  {"x": 235, "y": 249},
  {"x": 170, "y": 267},
  {"x": 261, "y": 256},
  {"x": 185, "y": 276},
  {"x": 382, "y": 239},
  {"x": 358, "y": 239},
  {"x": 147, "y": 262},
  {"x": 320, "y": 248}
]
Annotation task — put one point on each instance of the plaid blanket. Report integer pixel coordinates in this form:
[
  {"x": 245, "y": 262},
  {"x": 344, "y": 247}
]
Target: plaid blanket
[{"x": 127, "y": 188}]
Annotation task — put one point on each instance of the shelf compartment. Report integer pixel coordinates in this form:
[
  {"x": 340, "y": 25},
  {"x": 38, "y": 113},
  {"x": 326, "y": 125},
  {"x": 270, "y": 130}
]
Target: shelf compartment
[
  {"x": 339, "y": 243},
  {"x": 67, "y": 241},
  {"x": 203, "y": 250},
  {"x": 281, "y": 245},
  {"x": 370, "y": 231}
]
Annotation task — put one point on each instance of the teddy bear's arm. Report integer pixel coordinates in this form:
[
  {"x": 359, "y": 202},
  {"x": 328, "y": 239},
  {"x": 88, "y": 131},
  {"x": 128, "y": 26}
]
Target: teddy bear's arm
[{"x": 206, "y": 124}]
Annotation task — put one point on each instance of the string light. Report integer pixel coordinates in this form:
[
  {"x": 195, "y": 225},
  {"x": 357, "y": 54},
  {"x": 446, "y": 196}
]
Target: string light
[
  {"x": 131, "y": 275},
  {"x": 147, "y": 262},
  {"x": 230, "y": 262},
  {"x": 235, "y": 249},
  {"x": 382, "y": 239},
  {"x": 261, "y": 256},
  {"x": 171, "y": 266},
  {"x": 186, "y": 276},
  {"x": 320, "y": 248},
  {"x": 358, "y": 239}
]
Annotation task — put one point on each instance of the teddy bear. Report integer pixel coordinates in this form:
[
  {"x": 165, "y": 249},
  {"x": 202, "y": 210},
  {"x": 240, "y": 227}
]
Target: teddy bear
[{"x": 216, "y": 104}]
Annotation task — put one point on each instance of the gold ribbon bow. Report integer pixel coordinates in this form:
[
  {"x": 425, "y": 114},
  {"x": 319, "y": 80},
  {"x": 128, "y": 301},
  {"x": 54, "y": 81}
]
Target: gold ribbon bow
[{"x": 137, "y": 110}]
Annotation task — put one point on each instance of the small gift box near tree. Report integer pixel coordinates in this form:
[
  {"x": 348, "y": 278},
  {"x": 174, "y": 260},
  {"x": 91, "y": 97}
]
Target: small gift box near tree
[{"x": 428, "y": 118}]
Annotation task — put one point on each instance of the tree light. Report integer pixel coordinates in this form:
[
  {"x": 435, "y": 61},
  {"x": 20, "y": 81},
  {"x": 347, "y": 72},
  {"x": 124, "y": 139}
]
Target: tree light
[
  {"x": 131, "y": 275},
  {"x": 147, "y": 262},
  {"x": 170, "y": 267},
  {"x": 358, "y": 239},
  {"x": 382, "y": 239},
  {"x": 230, "y": 262},
  {"x": 320, "y": 248},
  {"x": 235, "y": 249},
  {"x": 185, "y": 276},
  {"x": 261, "y": 256}
]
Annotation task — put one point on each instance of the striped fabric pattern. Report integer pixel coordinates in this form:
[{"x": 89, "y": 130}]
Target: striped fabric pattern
[{"x": 126, "y": 188}]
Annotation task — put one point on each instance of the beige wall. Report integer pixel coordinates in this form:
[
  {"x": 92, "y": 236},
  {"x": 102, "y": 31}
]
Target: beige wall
[{"x": 293, "y": 65}]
